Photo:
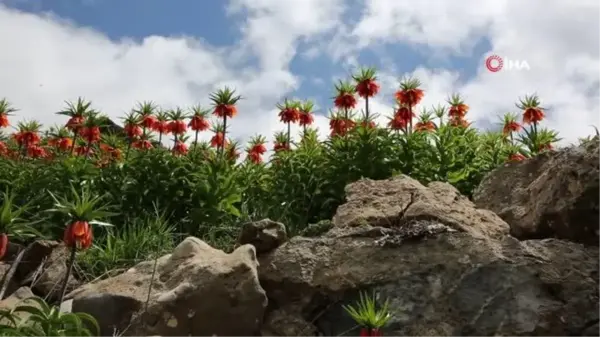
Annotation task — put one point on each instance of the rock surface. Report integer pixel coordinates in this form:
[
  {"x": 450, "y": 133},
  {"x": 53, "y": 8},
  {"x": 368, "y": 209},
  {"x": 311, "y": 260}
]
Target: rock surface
[
  {"x": 445, "y": 271},
  {"x": 389, "y": 203},
  {"x": 555, "y": 194},
  {"x": 265, "y": 235},
  {"x": 197, "y": 290}
]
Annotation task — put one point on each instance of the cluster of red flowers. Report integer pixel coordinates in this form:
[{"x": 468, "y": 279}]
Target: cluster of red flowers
[
  {"x": 533, "y": 114},
  {"x": 292, "y": 112},
  {"x": 365, "y": 84}
]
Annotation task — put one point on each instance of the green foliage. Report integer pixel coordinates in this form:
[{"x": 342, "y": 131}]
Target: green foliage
[
  {"x": 368, "y": 313},
  {"x": 34, "y": 317}
]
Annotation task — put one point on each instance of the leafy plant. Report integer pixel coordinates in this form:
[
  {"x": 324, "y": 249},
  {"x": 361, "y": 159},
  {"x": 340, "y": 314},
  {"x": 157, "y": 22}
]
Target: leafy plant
[
  {"x": 368, "y": 314},
  {"x": 41, "y": 319}
]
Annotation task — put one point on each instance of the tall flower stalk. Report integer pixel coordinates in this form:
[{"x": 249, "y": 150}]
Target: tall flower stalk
[
  {"x": 366, "y": 86},
  {"x": 77, "y": 113},
  {"x": 199, "y": 121},
  {"x": 81, "y": 211},
  {"x": 408, "y": 96},
  {"x": 289, "y": 113},
  {"x": 224, "y": 101}
]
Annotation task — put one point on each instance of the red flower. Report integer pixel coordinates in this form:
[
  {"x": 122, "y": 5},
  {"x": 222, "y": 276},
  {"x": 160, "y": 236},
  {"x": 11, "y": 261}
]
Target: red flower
[
  {"x": 177, "y": 127},
  {"x": 91, "y": 134},
  {"x": 404, "y": 113},
  {"x": 516, "y": 157},
  {"x": 161, "y": 127},
  {"x": 305, "y": 119},
  {"x": 345, "y": 96},
  {"x": 148, "y": 121},
  {"x": 27, "y": 138},
  {"x": 133, "y": 131},
  {"x": 255, "y": 157},
  {"x": 345, "y": 101},
  {"x": 458, "y": 111},
  {"x": 223, "y": 110},
  {"x": 4, "y": 123},
  {"x": 83, "y": 150},
  {"x": 367, "y": 88},
  {"x": 409, "y": 93},
  {"x": 3, "y": 148},
  {"x": 142, "y": 144},
  {"x": 459, "y": 122},
  {"x": 35, "y": 151},
  {"x": 289, "y": 111},
  {"x": 256, "y": 149},
  {"x": 368, "y": 125},
  {"x": 398, "y": 123},
  {"x": 199, "y": 123},
  {"x": 339, "y": 126},
  {"x": 113, "y": 152},
  {"x": 75, "y": 122},
  {"x": 79, "y": 235},
  {"x": 3, "y": 244},
  {"x": 277, "y": 147},
  {"x": 218, "y": 140},
  {"x": 376, "y": 332},
  {"x": 180, "y": 148},
  {"x": 510, "y": 127},
  {"x": 533, "y": 115},
  {"x": 425, "y": 126},
  {"x": 64, "y": 143}
]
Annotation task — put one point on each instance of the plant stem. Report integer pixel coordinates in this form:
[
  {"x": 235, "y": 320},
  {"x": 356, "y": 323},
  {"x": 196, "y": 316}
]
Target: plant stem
[
  {"x": 151, "y": 284},
  {"x": 11, "y": 272},
  {"x": 70, "y": 264},
  {"x": 75, "y": 131},
  {"x": 222, "y": 147}
]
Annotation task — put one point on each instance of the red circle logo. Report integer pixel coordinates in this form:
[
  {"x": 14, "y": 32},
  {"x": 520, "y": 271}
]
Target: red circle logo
[{"x": 494, "y": 63}]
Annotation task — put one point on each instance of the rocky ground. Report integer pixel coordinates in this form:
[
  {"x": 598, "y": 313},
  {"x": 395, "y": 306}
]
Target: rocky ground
[{"x": 520, "y": 259}]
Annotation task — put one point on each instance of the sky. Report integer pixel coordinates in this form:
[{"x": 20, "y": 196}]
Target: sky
[{"x": 117, "y": 53}]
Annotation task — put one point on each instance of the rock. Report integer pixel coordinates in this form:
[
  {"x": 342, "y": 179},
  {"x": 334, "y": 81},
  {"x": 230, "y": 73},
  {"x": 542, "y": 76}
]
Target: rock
[
  {"x": 392, "y": 202},
  {"x": 12, "y": 285},
  {"x": 47, "y": 279},
  {"x": 197, "y": 290},
  {"x": 446, "y": 267},
  {"x": 438, "y": 283},
  {"x": 551, "y": 195},
  {"x": 16, "y": 298},
  {"x": 265, "y": 235}
]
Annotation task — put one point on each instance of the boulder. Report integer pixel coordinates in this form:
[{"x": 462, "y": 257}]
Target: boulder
[
  {"x": 391, "y": 202},
  {"x": 265, "y": 235},
  {"x": 446, "y": 267},
  {"x": 552, "y": 195},
  {"x": 197, "y": 290}
]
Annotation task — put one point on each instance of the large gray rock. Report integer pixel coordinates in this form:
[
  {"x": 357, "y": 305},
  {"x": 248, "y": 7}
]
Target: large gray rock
[
  {"x": 553, "y": 195},
  {"x": 197, "y": 290},
  {"x": 445, "y": 271}
]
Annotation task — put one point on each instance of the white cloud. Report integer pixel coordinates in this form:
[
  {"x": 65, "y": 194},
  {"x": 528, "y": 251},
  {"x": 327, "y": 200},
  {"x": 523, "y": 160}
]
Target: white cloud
[
  {"x": 558, "y": 39},
  {"x": 52, "y": 60}
]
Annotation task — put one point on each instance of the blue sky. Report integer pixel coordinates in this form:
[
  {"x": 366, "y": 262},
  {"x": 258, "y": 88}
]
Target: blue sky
[{"x": 272, "y": 49}]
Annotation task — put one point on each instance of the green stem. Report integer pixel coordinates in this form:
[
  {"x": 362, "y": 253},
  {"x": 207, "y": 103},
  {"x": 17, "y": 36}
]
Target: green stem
[{"x": 70, "y": 264}]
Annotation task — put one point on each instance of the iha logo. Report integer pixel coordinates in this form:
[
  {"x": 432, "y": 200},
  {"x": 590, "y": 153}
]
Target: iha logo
[{"x": 495, "y": 63}]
